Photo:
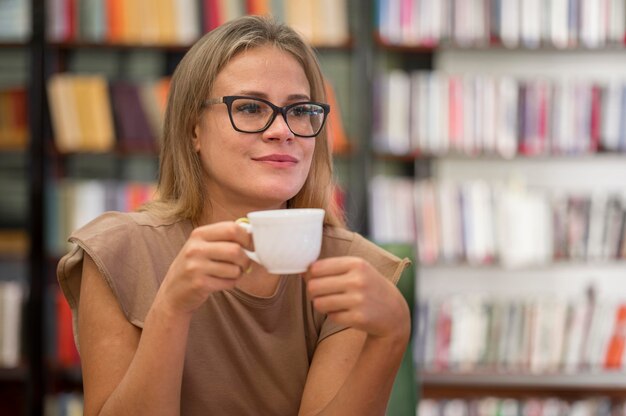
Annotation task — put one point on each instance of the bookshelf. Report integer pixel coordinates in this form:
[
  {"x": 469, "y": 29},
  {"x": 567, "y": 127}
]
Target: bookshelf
[
  {"x": 354, "y": 65},
  {"x": 64, "y": 184},
  {"x": 15, "y": 239},
  {"x": 426, "y": 166}
]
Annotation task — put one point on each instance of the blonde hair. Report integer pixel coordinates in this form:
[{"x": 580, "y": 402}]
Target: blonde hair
[{"x": 180, "y": 185}]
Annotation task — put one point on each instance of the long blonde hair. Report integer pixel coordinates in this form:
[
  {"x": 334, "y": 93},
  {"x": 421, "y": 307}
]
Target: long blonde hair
[{"x": 180, "y": 186}]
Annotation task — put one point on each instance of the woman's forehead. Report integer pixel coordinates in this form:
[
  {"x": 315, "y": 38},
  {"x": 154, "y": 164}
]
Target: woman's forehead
[{"x": 263, "y": 67}]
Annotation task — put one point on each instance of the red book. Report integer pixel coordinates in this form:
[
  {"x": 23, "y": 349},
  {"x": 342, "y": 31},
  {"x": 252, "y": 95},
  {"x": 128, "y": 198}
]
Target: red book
[
  {"x": 212, "y": 15},
  {"x": 71, "y": 11},
  {"x": 67, "y": 354},
  {"x": 615, "y": 349}
]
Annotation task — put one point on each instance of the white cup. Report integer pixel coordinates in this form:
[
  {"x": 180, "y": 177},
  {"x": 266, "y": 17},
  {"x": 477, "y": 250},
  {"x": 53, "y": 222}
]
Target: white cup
[{"x": 286, "y": 241}]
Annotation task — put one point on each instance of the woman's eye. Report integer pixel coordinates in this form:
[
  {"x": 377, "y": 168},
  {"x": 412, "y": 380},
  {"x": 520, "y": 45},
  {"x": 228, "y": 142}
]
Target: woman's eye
[
  {"x": 305, "y": 110},
  {"x": 250, "y": 108}
]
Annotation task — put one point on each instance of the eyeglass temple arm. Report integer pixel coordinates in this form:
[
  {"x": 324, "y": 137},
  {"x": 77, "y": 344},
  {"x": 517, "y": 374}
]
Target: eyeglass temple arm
[{"x": 212, "y": 101}]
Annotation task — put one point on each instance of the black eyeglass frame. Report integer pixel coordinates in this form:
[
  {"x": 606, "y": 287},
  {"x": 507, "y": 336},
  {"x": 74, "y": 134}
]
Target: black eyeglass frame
[{"x": 228, "y": 100}]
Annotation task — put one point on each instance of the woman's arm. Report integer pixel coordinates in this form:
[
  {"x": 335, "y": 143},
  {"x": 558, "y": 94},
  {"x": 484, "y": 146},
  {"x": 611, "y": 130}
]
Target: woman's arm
[
  {"x": 353, "y": 371},
  {"x": 127, "y": 371}
]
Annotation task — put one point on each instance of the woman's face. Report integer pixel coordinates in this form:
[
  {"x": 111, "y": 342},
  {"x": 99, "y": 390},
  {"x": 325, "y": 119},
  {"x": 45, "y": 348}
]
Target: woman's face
[{"x": 255, "y": 170}]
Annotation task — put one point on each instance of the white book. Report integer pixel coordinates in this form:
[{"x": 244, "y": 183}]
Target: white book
[
  {"x": 562, "y": 129},
  {"x": 507, "y": 120},
  {"x": 89, "y": 202},
  {"x": 559, "y": 10},
  {"x": 530, "y": 31},
  {"x": 479, "y": 135},
  {"x": 449, "y": 215},
  {"x": 521, "y": 227},
  {"x": 510, "y": 22},
  {"x": 331, "y": 22},
  {"x": 592, "y": 24},
  {"x": 469, "y": 115},
  {"x": 420, "y": 111},
  {"x": 12, "y": 294},
  {"x": 489, "y": 115},
  {"x": 437, "y": 18},
  {"x": 427, "y": 407},
  {"x": 481, "y": 248},
  {"x": 435, "y": 118},
  {"x": 455, "y": 407},
  {"x": 549, "y": 335},
  {"x": 187, "y": 23},
  {"x": 434, "y": 306},
  {"x": 596, "y": 226},
  {"x": 392, "y": 26},
  {"x": 599, "y": 333},
  {"x": 380, "y": 217},
  {"x": 616, "y": 21},
  {"x": 398, "y": 112},
  {"x": 443, "y": 119},
  {"x": 509, "y": 407},
  {"x": 404, "y": 211}
]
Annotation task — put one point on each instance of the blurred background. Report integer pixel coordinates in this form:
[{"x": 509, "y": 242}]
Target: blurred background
[{"x": 485, "y": 139}]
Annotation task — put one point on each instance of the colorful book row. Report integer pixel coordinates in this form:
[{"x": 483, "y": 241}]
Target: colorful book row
[
  {"x": 511, "y": 23},
  {"x": 471, "y": 333},
  {"x": 181, "y": 22},
  {"x": 547, "y": 406},
  {"x": 64, "y": 404},
  {"x": 435, "y": 113},
  {"x": 480, "y": 223},
  {"x": 72, "y": 203},
  {"x": 89, "y": 114}
]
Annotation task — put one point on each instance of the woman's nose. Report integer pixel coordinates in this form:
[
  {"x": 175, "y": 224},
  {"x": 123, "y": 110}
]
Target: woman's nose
[{"x": 278, "y": 130}]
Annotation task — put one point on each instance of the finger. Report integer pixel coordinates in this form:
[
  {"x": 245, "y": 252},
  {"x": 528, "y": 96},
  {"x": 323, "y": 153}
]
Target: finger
[
  {"x": 327, "y": 285},
  {"x": 335, "y": 266},
  {"x": 229, "y": 252},
  {"x": 224, "y": 231},
  {"x": 223, "y": 270},
  {"x": 337, "y": 302}
]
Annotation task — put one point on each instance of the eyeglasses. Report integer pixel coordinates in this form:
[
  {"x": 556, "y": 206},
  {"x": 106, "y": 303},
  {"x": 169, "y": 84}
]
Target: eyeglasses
[{"x": 255, "y": 115}]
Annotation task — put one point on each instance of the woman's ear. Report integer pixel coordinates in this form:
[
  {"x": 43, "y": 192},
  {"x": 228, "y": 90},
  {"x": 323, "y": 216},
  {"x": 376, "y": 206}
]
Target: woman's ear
[{"x": 195, "y": 138}]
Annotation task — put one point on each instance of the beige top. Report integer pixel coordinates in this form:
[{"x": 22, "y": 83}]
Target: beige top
[{"x": 246, "y": 355}]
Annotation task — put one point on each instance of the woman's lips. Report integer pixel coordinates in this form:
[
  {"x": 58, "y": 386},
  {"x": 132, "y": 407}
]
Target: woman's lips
[{"x": 277, "y": 160}]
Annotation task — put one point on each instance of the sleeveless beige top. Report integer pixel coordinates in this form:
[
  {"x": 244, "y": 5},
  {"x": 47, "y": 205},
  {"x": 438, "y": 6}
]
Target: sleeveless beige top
[{"x": 246, "y": 355}]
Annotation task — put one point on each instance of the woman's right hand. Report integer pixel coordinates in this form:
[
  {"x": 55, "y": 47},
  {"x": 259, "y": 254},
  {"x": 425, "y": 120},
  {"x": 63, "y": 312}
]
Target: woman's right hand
[{"x": 211, "y": 260}]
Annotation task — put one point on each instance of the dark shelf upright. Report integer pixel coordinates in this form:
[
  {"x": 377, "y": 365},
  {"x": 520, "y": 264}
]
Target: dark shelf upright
[{"x": 34, "y": 315}]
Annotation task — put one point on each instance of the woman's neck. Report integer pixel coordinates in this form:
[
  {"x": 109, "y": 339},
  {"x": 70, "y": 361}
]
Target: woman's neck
[{"x": 217, "y": 211}]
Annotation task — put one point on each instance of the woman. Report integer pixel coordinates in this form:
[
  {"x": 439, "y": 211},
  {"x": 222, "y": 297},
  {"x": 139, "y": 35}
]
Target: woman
[{"x": 173, "y": 318}]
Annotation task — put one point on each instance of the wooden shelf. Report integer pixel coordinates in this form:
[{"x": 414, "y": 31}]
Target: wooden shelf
[
  {"x": 13, "y": 375},
  {"x": 579, "y": 385},
  {"x": 72, "y": 45},
  {"x": 494, "y": 45},
  {"x": 5, "y": 44},
  {"x": 413, "y": 156}
]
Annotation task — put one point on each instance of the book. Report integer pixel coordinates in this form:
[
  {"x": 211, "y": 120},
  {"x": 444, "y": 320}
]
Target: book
[
  {"x": 11, "y": 303},
  {"x": 132, "y": 122}
]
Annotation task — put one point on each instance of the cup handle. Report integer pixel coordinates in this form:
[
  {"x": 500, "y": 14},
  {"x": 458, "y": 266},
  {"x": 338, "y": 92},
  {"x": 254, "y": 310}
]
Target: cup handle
[{"x": 245, "y": 224}]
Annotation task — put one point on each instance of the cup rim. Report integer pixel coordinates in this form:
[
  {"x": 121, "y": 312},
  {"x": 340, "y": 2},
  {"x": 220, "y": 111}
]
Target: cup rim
[{"x": 287, "y": 213}]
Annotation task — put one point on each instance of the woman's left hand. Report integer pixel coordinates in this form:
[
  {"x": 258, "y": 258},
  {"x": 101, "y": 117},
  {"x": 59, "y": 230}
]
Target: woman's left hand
[{"x": 353, "y": 293}]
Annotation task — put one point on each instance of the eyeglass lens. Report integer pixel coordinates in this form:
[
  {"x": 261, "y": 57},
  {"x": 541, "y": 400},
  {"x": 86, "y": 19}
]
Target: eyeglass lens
[{"x": 251, "y": 115}]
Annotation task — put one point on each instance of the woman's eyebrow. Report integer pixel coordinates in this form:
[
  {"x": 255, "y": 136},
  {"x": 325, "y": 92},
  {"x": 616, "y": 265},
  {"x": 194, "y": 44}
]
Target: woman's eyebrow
[{"x": 263, "y": 95}]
